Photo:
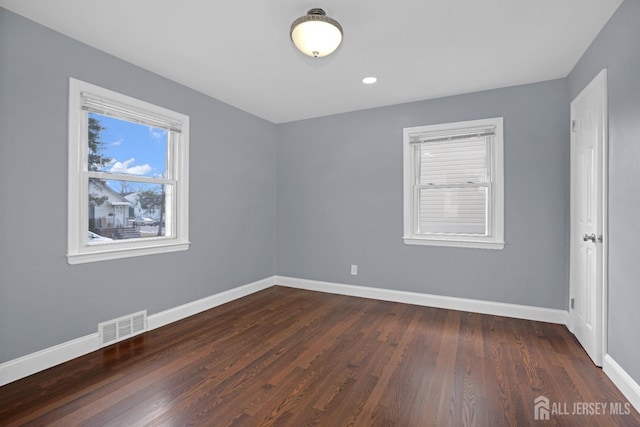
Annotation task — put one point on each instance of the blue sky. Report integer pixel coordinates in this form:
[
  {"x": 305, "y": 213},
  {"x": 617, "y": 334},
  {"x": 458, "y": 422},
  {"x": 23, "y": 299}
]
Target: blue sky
[{"x": 135, "y": 149}]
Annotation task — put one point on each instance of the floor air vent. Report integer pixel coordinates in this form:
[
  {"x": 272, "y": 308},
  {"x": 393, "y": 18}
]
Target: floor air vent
[{"x": 121, "y": 328}]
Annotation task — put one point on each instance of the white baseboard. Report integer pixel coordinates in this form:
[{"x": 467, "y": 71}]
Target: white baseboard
[
  {"x": 463, "y": 304},
  {"x": 622, "y": 380},
  {"x": 189, "y": 309},
  {"x": 35, "y": 362},
  {"x": 44, "y": 359}
]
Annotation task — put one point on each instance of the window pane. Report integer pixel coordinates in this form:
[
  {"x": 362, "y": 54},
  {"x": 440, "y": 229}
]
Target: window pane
[
  {"x": 119, "y": 146},
  {"x": 449, "y": 162},
  {"x": 453, "y": 210},
  {"x": 129, "y": 210}
]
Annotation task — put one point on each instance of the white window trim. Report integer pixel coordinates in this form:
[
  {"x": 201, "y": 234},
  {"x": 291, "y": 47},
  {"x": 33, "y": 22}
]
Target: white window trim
[
  {"x": 78, "y": 249},
  {"x": 496, "y": 210}
]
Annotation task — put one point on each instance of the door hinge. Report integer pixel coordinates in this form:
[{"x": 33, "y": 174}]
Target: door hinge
[
  {"x": 573, "y": 125},
  {"x": 573, "y": 303}
]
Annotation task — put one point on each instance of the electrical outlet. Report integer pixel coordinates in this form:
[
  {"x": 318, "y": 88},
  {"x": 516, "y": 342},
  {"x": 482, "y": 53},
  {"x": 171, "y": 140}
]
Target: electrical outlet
[{"x": 354, "y": 270}]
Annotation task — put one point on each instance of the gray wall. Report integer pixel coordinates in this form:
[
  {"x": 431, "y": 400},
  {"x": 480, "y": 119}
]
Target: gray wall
[
  {"x": 616, "y": 48},
  {"x": 43, "y": 300},
  {"x": 340, "y": 200},
  {"x": 339, "y": 195}
]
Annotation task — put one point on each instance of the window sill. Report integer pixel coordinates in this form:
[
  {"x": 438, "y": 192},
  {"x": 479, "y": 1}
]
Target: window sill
[
  {"x": 454, "y": 243},
  {"x": 118, "y": 253}
]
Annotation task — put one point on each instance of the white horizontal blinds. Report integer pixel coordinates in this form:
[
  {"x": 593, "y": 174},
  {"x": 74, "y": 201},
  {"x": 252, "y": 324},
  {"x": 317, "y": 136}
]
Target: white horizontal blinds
[
  {"x": 453, "y": 183},
  {"x": 107, "y": 107},
  {"x": 451, "y": 162},
  {"x": 453, "y": 210}
]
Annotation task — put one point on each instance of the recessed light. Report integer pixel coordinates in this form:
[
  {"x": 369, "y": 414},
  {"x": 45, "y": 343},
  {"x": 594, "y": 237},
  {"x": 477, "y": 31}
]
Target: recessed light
[{"x": 369, "y": 80}]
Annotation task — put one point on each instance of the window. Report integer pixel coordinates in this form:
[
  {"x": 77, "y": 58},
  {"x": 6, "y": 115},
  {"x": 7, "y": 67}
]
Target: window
[
  {"x": 128, "y": 176},
  {"x": 453, "y": 184}
]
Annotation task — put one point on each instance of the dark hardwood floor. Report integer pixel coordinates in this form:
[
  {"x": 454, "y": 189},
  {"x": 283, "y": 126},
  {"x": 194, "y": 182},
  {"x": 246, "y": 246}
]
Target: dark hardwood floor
[{"x": 296, "y": 358}]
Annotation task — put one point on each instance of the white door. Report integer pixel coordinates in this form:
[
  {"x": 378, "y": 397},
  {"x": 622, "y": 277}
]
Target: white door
[{"x": 588, "y": 217}]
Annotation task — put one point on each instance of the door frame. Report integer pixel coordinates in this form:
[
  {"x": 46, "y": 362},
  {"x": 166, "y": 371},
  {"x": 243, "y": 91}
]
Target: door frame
[{"x": 600, "y": 78}]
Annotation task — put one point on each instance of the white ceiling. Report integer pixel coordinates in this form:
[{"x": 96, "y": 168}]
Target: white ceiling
[{"x": 240, "y": 52}]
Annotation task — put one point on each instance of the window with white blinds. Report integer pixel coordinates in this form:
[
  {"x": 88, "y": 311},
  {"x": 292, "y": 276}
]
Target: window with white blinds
[
  {"x": 453, "y": 184},
  {"x": 128, "y": 176}
]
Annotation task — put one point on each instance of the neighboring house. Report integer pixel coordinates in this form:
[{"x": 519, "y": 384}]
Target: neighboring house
[
  {"x": 138, "y": 211},
  {"x": 107, "y": 208},
  {"x": 136, "y": 208}
]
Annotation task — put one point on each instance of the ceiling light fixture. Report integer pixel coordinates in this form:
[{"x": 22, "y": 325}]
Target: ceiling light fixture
[
  {"x": 369, "y": 80},
  {"x": 315, "y": 34}
]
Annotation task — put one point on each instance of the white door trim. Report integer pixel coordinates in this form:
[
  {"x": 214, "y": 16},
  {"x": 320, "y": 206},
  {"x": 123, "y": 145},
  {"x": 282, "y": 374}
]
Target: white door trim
[{"x": 601, "y": 78}]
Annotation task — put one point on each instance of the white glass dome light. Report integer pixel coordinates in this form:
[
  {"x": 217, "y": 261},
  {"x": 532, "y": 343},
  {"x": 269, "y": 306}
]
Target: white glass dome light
[{"x": 315, "y": 34}]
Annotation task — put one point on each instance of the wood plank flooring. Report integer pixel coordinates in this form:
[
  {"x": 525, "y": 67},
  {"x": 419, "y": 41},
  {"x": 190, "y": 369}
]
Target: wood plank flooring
[{"x": 290, "y": 357}]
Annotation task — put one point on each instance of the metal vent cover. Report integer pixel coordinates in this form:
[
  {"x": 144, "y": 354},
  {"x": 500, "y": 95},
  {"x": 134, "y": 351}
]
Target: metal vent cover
[{"x": 124, "y": 327}]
